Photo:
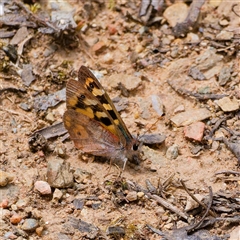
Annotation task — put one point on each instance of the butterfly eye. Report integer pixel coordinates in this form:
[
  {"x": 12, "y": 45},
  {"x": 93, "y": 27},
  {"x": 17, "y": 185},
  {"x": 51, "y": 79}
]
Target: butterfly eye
[
  {"x": 82, "y": 96},
  {"x": 135, "y": 147},
  {"x": 91, "y": 85}
]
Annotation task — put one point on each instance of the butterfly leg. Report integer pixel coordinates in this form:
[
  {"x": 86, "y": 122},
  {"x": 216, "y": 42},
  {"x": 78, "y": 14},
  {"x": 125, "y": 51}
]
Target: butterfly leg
[
  {"x": 124, "y": 164},
  {"x": 109, "y": 168},
  {"x": 123, "y": 168}
]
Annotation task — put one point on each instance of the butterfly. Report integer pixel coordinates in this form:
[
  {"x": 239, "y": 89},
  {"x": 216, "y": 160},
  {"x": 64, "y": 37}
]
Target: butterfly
[{"x": 93, "y": 123}]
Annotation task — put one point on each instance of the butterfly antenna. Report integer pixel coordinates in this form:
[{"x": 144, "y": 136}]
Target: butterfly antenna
[{"x": 148, "y": 130}]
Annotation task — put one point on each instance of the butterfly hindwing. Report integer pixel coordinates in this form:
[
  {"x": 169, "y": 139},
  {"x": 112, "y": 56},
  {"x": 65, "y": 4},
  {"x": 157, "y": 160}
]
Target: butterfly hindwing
[{"x": 89, "y": 135}]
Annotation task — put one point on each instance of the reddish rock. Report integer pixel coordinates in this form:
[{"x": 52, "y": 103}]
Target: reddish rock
[
  {"x": 15, "y": 219},
  {"x": 112, "y": 29},
  {"x": 194, "y": 131}
]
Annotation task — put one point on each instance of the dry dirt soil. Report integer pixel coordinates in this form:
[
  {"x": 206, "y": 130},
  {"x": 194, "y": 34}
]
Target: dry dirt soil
[{"x": 154, "y": 68}]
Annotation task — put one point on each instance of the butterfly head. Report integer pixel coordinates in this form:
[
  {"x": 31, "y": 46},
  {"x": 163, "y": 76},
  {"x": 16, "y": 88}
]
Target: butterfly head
[{"x": 133, "y": 151}]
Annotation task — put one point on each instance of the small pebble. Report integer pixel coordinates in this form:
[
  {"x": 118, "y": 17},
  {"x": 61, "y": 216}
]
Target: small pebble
[
  {"x": 59, "y": 174},
  {"x": 160, "y": 211},
  {"x": 179, "y": 109},
  {"x": 192, "y": 204},
  {"x": 157, "y": 104},
  {"x": 22, "y": 203},
  {"x": 14, "y": 207},
  {"x": 165, "y": 218},
  {"x": 131, "y": 196},
  {"x": 224, "y": 22},
  {"x": 225, "y": 35},
  {"x": 107, "y": 58},
  {"x": 215, "y": 145},
  {"x": 5, "y": 178},
  {"x": 57, "y": 195},
  {"x": 39, "y": 231},
  {"x": 140, "y": 194},
  {"x": 5, "y": 213},
  {"x": 168, "y": 226},
  {"x": 192, "y": 38},
  {"x": 139, "y": 48},
  {"x": 60, "y": 151},
  {"x": 227, "y": 104},
  {"x": 172, "y": 152},
  {"x": 50, "y": 117},
  {"x": 15, "y": 218},
  {"x": 89, "y": 203},
  {"x": 30, "y": 224},
  {"x": 235, "y": 233},
  {"x": 10, "y": 235},
  {"x": 43, "y": 187}
]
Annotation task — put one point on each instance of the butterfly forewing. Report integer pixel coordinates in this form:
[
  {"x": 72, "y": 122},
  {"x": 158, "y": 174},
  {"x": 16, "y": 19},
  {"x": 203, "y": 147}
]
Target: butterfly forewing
[
  {"x": 90, "y": 82},
  {"x": 84, "y": 102}
]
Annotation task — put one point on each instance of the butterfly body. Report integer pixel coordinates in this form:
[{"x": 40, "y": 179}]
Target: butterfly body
[{"x": 93, "y": 122}]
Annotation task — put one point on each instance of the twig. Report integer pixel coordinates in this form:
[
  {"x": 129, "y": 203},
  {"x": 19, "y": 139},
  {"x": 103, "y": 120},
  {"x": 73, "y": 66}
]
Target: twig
[
  {"x": 227, "y": 172},
  {"x": 233, "y": 6},
  {"x": 198, "y": 225},
  {"x": 156, "y": 231},
  {"x": 232, "y": 132},
  {"x": 24, "y": 116},
  {"x": 217, "y": 125},
  {"x": 150, "y": 187},
  {"x": 12, "y": 89},
  {"x": 195, "y": 199},
  {"x": 184, "y": 27},
  {"x": 35, "y": 18},
  {"x": 168, "y": 205},
  {"x": 199, "y": 96},
  {"x": 233, "y": 147}
]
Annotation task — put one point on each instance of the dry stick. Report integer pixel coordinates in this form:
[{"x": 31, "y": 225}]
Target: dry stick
[
  {"x": 227, "y": 172},
  {"x": 168, "y": 180},
  {"x": 156, "y": 231},
  {"x": 198, "y": 96},
  {"x": 195, "y": 199},
  {"x": 35, "y": 18},
  {"x": 24, "y": 116},
  {"x": 168, "y": 205},
  {"x": 233, "y": 6},
  {"x": 233, "y": 147},
  {"x": 193, "y": 14},
  {"x": 164, "y": 185},
  {"x": 150, "y": 187},
  {"x": 217, "y": 125},
  {"x": 232, "y": 132},
  {"x": 197, "y": 225},
  {"x": 12, "y": 89}
]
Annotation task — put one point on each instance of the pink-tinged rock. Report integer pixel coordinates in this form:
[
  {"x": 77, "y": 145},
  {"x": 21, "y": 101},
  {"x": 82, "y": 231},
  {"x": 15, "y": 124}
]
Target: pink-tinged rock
[
  {"x": 43, "y": 187},
  {"x": 195, "y": 131},
  {"x": 4, "y": 203},
  {"x": 15, "y": 218}
]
